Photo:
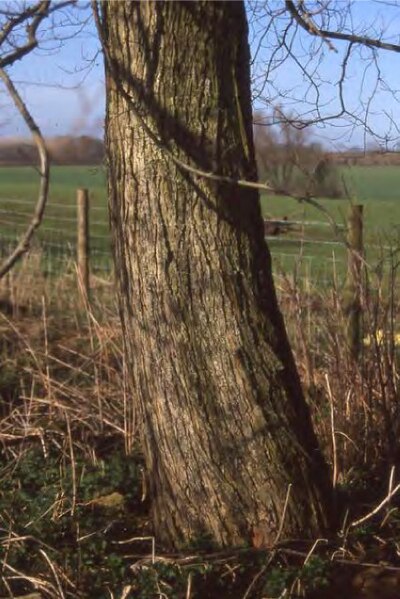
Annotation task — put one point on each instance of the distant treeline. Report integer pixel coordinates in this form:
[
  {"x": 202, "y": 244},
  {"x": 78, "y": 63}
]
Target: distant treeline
[
  {"x": 279, "y": 156},
  {"x": 289, "y": 157},
  {"x": 66, "y": 150},
  {"x": 368, "y": 158}
]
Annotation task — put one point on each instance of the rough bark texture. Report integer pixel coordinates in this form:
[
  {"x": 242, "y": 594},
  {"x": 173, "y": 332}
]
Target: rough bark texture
[{"x": 225, "y": 425}]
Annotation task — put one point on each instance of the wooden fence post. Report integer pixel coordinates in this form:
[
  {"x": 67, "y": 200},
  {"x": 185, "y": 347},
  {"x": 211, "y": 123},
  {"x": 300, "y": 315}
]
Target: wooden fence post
[
  {"x": 82, "y": 198},
  {"x": 352, "y": 297}
]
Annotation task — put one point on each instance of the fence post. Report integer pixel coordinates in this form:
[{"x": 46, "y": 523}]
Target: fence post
[
  {"x": 82, "y": 198},
  {"x": 352, "y": 297}
]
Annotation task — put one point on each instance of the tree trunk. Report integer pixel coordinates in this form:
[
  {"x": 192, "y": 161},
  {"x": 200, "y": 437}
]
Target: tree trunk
[{"x": 225, "y": 426}]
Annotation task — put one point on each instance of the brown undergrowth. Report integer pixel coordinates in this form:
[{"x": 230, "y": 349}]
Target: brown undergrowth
[
  {"x": 355, "y": 403},
  {"x": 73, "y": 502}
]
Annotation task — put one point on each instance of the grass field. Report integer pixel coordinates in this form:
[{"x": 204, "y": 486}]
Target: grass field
[
  {"x": 18, "y": 189},
  {"x": 377, "y": 188}
]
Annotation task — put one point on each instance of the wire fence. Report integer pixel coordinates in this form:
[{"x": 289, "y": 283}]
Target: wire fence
[
  {"x": 309, "y": 249},
  {"x": 56, "y": 238},
  {"x": 311, "y": 255},
  {"x": 56, "y": 241}
]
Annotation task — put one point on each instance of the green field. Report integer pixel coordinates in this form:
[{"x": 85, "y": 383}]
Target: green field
[
  {"x": 18, "y": 190},
  {"x": 377, "y": 188},
  {"x": 19, "y": 186}
]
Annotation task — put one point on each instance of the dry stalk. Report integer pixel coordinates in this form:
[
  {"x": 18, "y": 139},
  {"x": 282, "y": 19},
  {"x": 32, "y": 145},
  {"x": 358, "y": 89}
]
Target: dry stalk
[
  {"x": 73, "y": 465},
  {"x": 54, "y": 571},
  {"x": 189, "y": 586},
  {"x": 258, "y": 576},
  {"x": 285, "y": 505},
  {"x": 377, "y": 509},
  {"x": 46, "y": 353},
  {"x": 333, "y": 432}
]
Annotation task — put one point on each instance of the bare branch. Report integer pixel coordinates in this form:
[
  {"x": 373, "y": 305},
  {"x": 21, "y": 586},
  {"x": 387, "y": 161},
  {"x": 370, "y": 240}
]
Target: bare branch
[
  {"x": 24, "y": 243},
  {"x": 31, "y": 17},
  {"x": 309, "y": 25},
  {"x": 322, "y": 88}
]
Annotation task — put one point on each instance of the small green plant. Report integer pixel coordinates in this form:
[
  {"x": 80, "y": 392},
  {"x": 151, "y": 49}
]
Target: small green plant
[
  {"x": 277, "y": 579},
  {"x": 314, "y": 574},
  {"x": 47, "y": 502}
]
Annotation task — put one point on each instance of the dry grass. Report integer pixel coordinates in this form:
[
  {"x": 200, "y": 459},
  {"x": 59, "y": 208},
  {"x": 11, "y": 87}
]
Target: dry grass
[
  {"x": 62, "y": 392},
  {"x": 354, "y": 404},
  {"x": 71, "y": 355}
]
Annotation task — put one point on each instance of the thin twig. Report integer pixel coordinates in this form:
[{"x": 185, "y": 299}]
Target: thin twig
[
  {"x": 258, "y": 576},
  {"x": 278, "y": 534},
  {"x": 377, "y": 509}
]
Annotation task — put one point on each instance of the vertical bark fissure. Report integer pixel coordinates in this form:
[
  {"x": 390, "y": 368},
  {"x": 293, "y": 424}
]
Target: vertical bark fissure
[{"x": 225, "y": 426}]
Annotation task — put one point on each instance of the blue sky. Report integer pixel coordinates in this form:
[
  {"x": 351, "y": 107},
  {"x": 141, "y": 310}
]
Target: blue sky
[{"x": 63, "y": 84}]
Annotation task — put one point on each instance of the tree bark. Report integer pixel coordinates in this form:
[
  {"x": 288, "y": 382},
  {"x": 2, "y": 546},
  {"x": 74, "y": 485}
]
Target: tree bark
[{"x": 225, "y": 427}]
